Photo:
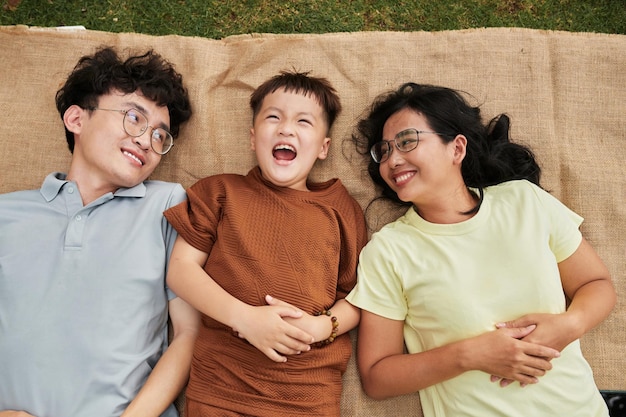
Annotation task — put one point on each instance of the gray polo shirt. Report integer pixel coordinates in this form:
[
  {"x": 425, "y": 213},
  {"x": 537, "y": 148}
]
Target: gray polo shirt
[{"x": 83, "y": 303}]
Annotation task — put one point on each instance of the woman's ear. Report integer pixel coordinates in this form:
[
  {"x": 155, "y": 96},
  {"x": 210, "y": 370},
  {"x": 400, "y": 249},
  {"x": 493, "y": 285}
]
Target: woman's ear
[
  {"x": 460, "y": 148},
  {"x": 73, "y": 118}
]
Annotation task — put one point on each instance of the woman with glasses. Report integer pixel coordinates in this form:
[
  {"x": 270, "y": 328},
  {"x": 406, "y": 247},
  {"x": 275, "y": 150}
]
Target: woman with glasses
[{"x": 486, "y": 279}]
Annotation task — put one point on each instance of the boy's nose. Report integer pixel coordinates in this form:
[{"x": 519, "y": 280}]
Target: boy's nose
[{"x": 286, "y": 129}]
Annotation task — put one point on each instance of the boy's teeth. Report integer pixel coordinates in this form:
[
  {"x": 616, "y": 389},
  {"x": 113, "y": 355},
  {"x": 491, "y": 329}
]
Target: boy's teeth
[{"x": 290, "y": 148}]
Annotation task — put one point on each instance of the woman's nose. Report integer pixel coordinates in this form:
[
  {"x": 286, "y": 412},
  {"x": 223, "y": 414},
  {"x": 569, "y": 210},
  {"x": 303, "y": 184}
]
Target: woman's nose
[{"x": 395, "y": 157}]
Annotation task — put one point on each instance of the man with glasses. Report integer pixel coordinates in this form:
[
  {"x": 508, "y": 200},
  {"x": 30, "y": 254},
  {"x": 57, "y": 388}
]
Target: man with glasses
[{"x": 83, "y": 301}]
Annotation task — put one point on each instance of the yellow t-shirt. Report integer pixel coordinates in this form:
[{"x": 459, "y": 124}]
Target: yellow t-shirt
[{"x": 449, "y": 282}]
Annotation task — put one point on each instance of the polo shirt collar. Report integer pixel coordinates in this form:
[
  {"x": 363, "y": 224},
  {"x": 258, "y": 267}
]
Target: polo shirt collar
[{"x": 53, "y": 183}]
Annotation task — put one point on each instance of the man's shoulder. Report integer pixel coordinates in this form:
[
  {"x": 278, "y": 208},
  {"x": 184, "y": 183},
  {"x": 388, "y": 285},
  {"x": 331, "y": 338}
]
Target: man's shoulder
[
  {"x": 171, "y": 193},
  {"x": 161, "y": 186},
  {"x": 20, "y": 195}
]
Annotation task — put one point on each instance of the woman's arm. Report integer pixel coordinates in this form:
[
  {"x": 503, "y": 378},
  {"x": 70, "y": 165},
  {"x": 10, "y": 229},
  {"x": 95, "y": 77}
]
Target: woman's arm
[
  {"x": 263, "y": 326},
  {"x": 387, "y": 371},
  {"x": 587, "y": 284}
]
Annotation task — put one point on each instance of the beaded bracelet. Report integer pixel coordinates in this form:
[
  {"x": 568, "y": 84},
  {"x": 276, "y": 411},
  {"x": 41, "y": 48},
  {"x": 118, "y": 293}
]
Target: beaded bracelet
[{"x": 333, "y": 332}]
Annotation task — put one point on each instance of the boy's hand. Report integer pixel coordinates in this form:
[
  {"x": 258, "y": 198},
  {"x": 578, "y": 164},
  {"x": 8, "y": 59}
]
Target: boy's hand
[
  {"x": 265, "y": 328},
  {"x": 317, "y": 326}
]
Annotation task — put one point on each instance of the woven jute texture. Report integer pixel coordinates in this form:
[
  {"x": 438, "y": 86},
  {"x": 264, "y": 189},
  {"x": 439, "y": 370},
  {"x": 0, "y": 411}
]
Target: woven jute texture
[{"x": 565, "y": 93}]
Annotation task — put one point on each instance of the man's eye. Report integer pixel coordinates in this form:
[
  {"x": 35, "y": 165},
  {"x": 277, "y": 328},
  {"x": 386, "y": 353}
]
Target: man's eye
[
  {"x": 132, "y": 117},
  {"x": 157, "y": 136}
]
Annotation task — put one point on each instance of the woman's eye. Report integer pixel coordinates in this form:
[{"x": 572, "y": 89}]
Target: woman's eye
[{"x": 407, "y": 143}]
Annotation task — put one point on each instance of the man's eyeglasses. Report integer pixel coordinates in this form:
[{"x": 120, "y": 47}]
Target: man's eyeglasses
[
  {"x": 135, "y": 124},
  {"x": 405, "y": 141}
]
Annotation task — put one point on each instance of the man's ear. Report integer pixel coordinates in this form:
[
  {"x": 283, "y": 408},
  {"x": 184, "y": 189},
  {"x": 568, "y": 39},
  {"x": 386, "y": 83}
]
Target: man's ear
[
  {"x": 73, "y": 118},
  {"x": 460, "y": 148},
  {"x": 324, "y": 151}
]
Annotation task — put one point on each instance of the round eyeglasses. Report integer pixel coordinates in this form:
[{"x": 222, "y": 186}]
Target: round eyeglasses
[
  {"x": 405, "y": 141},
  {"x": 135, "y": 124}
]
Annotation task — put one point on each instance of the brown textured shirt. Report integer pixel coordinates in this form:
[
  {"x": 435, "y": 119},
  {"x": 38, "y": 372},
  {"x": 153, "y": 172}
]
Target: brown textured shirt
[{"x": 301, "y": 247}]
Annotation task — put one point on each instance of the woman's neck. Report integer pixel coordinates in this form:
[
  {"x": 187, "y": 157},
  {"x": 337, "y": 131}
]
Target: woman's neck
[{"x": 457, "y": 207}]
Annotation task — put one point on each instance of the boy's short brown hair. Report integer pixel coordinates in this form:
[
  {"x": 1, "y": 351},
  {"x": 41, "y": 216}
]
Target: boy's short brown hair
[{"x": 300, "y": 83}]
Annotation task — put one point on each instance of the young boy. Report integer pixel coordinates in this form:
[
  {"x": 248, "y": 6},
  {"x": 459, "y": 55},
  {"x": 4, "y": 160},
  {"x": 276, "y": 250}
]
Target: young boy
[{"x": 271, "y": 232}]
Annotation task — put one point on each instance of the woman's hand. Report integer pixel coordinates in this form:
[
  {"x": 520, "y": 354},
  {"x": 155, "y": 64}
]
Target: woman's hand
[
  {"x": 506, "y": 355},
  {"x": 552, "y": 330}
]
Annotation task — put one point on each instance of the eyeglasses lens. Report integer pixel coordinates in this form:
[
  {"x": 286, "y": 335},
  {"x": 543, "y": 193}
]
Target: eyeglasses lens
[
  {"x": 162, "y": 141},
  {"x": 407, "y": 140},
  {"x": 135, "y": 124},
  {"x": 380, "y": 151}
]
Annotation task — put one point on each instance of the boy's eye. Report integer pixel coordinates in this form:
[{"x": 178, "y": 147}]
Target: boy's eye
[{"x": 305, "y": 121}]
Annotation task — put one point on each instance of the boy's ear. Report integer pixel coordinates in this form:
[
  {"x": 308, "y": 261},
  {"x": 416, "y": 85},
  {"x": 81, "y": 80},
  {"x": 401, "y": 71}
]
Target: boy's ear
[
  {"x": 324, "y": 151},
  {"x": 252, "y": 138},
  {"x": 73, "y": 118}
]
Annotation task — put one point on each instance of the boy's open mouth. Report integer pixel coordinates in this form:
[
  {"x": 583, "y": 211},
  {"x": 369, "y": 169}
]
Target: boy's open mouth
[{"x": 284, "y": 152}]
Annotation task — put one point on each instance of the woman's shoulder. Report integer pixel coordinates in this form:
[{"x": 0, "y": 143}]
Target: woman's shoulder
[
  {"x": 400, "y": 226},
  {"x": 513, "y": 185},
  {"x": 514, "y": 189}
]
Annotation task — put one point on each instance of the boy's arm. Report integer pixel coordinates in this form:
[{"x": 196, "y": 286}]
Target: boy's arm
[
  {"x": 262, "y": 326},
  {"x": 171, "y": 371},
  {"x": 12, "y": 413},
  {"x": 321, "y": 327}
]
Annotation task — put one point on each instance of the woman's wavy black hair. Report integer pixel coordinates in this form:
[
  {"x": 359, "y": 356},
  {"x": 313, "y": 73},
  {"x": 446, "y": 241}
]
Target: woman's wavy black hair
[{"x": 491, "y": 158}]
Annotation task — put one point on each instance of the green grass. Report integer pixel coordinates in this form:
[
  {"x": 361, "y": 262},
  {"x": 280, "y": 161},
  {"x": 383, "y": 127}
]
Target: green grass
[{"x": 218, "y": 19}]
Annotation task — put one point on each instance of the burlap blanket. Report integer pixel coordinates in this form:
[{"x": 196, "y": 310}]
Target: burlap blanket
[{"x": 565, "y": 93}]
